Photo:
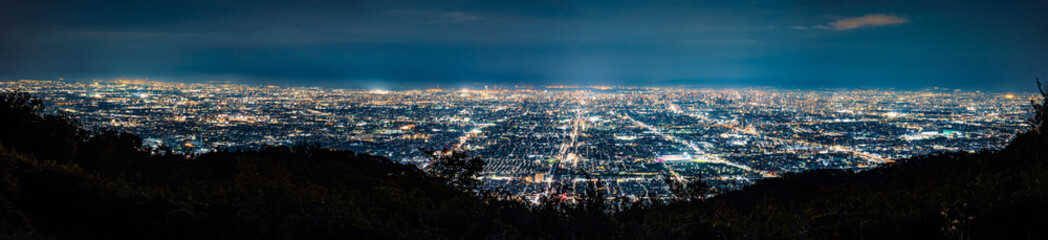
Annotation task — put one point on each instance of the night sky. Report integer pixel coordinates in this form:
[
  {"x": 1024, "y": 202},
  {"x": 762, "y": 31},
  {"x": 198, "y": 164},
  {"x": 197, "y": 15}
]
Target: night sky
[{"x": 417, "y": 44}]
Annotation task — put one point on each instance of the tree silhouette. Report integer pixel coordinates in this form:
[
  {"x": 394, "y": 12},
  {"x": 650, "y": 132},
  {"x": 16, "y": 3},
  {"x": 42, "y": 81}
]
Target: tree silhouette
[
  {"x": 1040, "y": 110},
  {"x": 456, "y": 167},
  {"x": 25, "y": 128},
  {"x": 687, "y": 187},
  {"x": 591, "y": 197}
]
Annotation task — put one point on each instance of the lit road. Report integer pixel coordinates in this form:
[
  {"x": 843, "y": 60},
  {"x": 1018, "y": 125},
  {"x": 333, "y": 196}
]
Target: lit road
[{"x": 709, "y": 158}]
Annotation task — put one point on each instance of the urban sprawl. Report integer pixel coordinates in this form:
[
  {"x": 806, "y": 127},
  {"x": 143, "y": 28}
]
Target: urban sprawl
[{"x": 551, "y": 139}]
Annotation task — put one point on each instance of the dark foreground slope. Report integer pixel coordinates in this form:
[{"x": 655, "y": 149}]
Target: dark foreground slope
[{"x": 60, "y": 181}]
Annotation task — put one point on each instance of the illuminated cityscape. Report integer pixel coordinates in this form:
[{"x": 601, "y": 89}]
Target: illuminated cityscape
[
  {"x": 564, "y": 119},
  {"x": 551, "y": 138}
]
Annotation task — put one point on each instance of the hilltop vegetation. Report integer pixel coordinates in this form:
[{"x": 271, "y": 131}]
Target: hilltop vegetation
[{"x": 60, "y": 181}]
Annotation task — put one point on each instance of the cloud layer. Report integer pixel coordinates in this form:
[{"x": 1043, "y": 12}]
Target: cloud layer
[
  {"x": 868, "y": 20},
  {"x": 357, "y": 43}
]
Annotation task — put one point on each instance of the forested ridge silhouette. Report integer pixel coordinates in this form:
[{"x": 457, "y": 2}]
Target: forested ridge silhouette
[{"x": 61, "y": 181}]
